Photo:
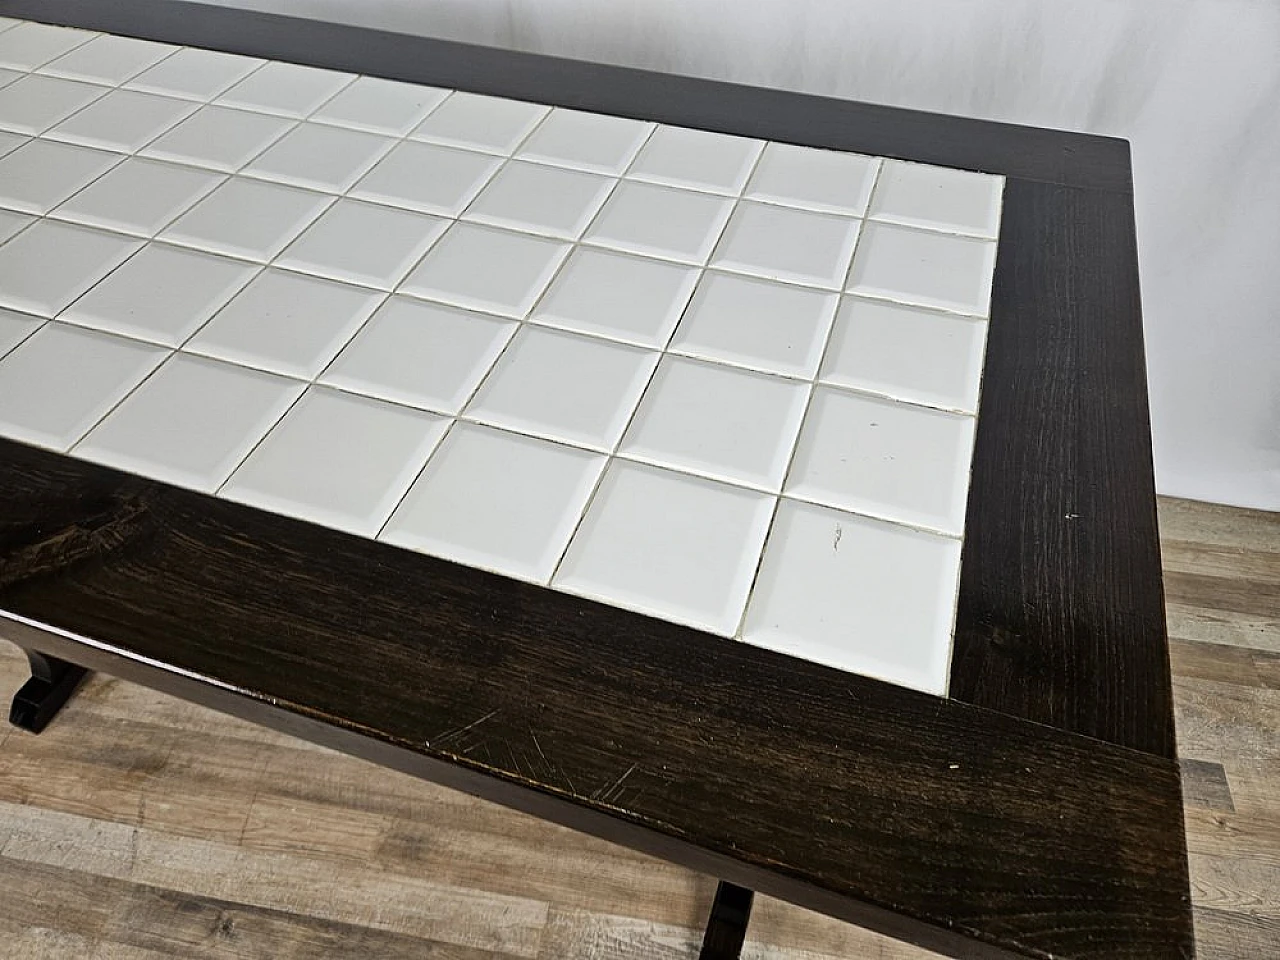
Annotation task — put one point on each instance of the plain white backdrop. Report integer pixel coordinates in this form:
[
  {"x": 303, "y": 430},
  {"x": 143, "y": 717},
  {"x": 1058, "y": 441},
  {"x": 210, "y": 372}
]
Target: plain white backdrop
[{"x": 1194, "y": 84}]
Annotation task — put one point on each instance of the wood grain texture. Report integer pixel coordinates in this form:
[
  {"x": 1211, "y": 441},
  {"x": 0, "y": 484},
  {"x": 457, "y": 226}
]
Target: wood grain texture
[
  {"x": 1061, "y": 619},
  {"x": 108, "y": 816},
  {"x": 1032, "y": 153},
  {"x": 925, "y": 818}
]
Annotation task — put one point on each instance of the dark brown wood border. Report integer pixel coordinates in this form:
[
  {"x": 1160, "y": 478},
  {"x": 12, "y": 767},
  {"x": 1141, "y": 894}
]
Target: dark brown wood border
[{"x": 991, "y": 821}]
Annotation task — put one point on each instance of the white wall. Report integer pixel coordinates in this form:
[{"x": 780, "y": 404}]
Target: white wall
[{"x": 1194, "y": 84}]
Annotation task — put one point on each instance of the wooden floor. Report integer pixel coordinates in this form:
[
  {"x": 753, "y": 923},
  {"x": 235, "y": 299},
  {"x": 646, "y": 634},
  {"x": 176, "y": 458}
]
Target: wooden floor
[{"x": 141, "y": 827}]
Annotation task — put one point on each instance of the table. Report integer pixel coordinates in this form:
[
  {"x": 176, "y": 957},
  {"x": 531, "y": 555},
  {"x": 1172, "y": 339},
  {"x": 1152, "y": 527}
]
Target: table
[{"x": 759, "y": 480}]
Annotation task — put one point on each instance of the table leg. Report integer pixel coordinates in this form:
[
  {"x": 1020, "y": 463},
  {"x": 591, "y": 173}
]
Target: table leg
[
  {"x": 51, "y": 685},
  {"x": 727, "y": 925}
]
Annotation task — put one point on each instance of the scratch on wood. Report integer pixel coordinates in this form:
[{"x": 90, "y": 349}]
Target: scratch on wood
[
  {"x": 606, "y": 793},
  {"x": 459, "y": 731}
]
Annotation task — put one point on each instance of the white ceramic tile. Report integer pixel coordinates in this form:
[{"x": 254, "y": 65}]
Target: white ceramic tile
[
  {"x": 423, "y": 176},
  {"x": 11, "y": 223},
  {"x": 930, "y": 269},
  {"x": 487, "y": 269},
  {"x": 661, "y": 222},
  {"x": 248, "y": 218},
  {"x": 668, "y": 544},
  {"x": 496, "y": 500},
  {"x": 191, "y": 422},
  {"x": 908, "y": 353},
  {"x": 586, "y": 141},
  {"x": 107, "y": 59},
  {"x": 62, "y": 380},
  {"x": 28, "y": 45},
  {"x": 885, "y": 458},
  {"x": 11, "y": 141},
  {"x": 619, "y": 296},
  {"x": 16, "y": 327},
  {"x": 123, "y": 120},
  {"x": 320, "y": 157},
  {"x": 780, "y": 243},
  {"x": 734, "y": 425},
  {"x": 39, "y": 175},
  {"x": 195, "y": 74},
  {"x": 286, "y": 323},
  {"x": 476, "y": 122},
  {"x": 162, "y": 294},
  {"x": 563, "y": 386},
  {"x": 49, "y": 264},
  {"x": 138, "y": 196},
  {"x": 768, "y": 326},
  {"x": 363, "y": 242},
  {"x": 541, "y": 199},
  {"x": 219, "y": 138},
  {"x": 938, "y": 197},
  {"x": 421, "y": 354},
  {"x": 697, "y": 159},
  {"x": 36, "y": 102},
  {"x": 286, "y": 89},
  {"x": 857, "y": 594},
  {"x": 8, "y": 76},
  {"x": 381, "y": 106},
  {"x": 338, "y": 460},
  {"x": 826, "y": 180}
]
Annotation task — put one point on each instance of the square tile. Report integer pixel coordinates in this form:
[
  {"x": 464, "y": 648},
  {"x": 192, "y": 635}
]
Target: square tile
[
  {"x": 541, "y": 199},
  {"x": 907, "y": 353},
  {"x": 364, "y": 243},
  {"x": 755, "y": 323},
  {"x": 586, "y": 141},
  {"x": 40, "y": 174},
  {"x": 857, "y": 594},
  {"x": 138, "y": 196},
  {"x": 830, "y": 181},
  {"x": 670, "y": 545},
  {"x": 320, "y": 157},
  {"x": 16, "y": 327},
  {"x": 219, "y": 138},
  {"x": 195, "y": 74},
  {"x": 123, "y": 120},
  {"x": 564, "y": 387},
  {"x": 285, "y": 323},
  {"x": 29, "y": 45},
  {"x": 162, "y": 294},
  {"x": 108, "y": 59},
  {"x": 733, "y": 425},
  {"x": 886, "y": 459},
  {"x": 49, "y": 264},
  {"x": 925, "y": 268},
  {"x": 285, "y": 88},
  {"x": 618, "y": 296},
  {"x": 247, "y": 218},
  {"x": 35, "y": 103},
  {"x": 780, "y": 243},
  {"x": 62, "y": 380},
  {"x": 191, "y": 422},
  {"x": 661, "y": 222},
  {"x": 381, "y": 106},
  {"x": 696, "y": 159},
  {"x": 497, "y": 501},
  {"x": 12, "y": 223},
  {"x": 425, "y": 177},
  {"x": 420, "y": 354},
  {"x": 938, "y": 198},
  {"x": 487, "y": 269},
  {"x": 491, "y": 124},
  {"x": 338, "y": 460}
]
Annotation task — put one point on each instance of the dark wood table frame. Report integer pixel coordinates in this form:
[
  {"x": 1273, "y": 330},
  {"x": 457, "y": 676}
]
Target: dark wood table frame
[{"x": 1034, "y": 813}]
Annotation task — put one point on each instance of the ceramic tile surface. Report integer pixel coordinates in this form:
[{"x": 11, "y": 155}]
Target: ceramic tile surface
[{"x": 725, "y": 382}]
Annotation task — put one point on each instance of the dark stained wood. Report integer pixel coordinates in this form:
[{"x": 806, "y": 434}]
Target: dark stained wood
[
  {"x": 1031, "y": 153},
  {"x": 924, "y": 818},
  {"x": 1061, "y": 615}
]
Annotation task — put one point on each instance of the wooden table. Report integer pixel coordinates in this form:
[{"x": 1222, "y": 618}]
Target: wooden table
[{"x": 1034, "y": 810}]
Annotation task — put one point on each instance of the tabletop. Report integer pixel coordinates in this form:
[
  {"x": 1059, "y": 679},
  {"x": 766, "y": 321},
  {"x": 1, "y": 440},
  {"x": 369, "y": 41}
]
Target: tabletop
[{"x": 760, "y": 480}]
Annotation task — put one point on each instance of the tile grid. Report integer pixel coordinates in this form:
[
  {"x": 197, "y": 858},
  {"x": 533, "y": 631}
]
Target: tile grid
[{"x": 528, "y": 318}]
